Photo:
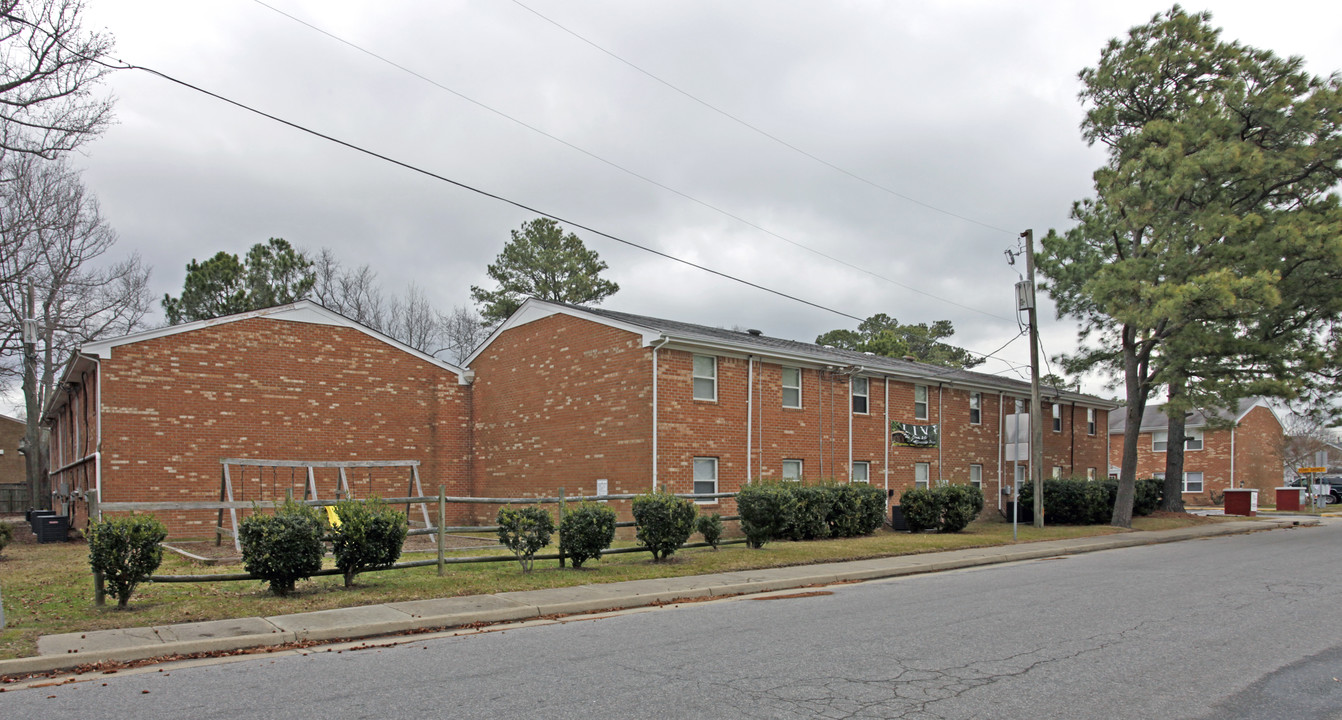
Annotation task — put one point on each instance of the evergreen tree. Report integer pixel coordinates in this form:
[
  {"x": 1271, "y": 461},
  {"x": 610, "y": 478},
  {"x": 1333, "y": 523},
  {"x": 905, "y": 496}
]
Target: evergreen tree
[
  {"x": 883, "y": 335},
  {"x": 274, "y": 273},
  {"x": 541, "y": 261}
]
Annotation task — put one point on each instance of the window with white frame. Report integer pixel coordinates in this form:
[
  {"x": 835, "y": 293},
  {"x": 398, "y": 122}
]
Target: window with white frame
[
  {"x": 1193, "y": 482},
  {"x": 1192, "y": 441},
  {"x": 1020, "y": 406},
  {"x": 919, "y": 402},
  {"x": 922, "y": 472},
  {"x": 861, "y": 471},
  {"x": 975, "y": 408},
  {"x": 1160, "y": 440},
  {"x": 1090, "y": 421},
  {"x": 705, "y": 377},
  {"x": 1090, "y": 473},
  {"x": 791, "y": 387},
  {"x": 1057, "y": 471},
  {"x": 1057, "y": 417},
  {"x": 976, "y": 476},
  {"x": 791, "y": 469},
  {"x": 705, "y": 477},
  {"x": 859, "y": 392}
]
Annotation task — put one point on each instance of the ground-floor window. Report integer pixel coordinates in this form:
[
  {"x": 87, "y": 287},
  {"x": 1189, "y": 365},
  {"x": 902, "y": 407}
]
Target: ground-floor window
[
  {"x": 976, "y": 476},
  {"x": 921, "y": 473},
  {"x": 705, "y": 477},
  {"x": 1090, "y": 473},
  {"x": 1057, "y": 471},
  {"x": 861, "y": 472},
  {"x": 1193, "y": 482},
  {"x": 791, "y": 469}
]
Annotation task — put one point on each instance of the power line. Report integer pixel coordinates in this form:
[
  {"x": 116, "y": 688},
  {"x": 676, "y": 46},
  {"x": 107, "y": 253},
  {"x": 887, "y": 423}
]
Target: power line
[
  {"x": 756, "y": 129},
  {"x": 626, "y": 170}
]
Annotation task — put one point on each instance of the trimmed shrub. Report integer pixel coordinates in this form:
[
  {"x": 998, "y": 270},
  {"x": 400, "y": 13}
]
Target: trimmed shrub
[
  {"x": 811, "y": 511},
  {"x": 664, "y": 522},
  {"x": 6, "y": 534},
  {"x": 125, "y": 550},
  {"x": 921, "y": 509},
  {"x": 369, "y": 535},
  {"x": 524, "y": 531},
  {"x": 710, "y": 526},
  {"x": 1078, "y": 501},
  {"x": 283, "y": 548},
  {"x": 1147, "y": 496},
  {"x": 948, "y": 508},
  {"x": 767, "y": 510},
  {"x": 585, "y": 531},
  {"x": 855, "y": 509},
  {"x": 960, "y": 504}
]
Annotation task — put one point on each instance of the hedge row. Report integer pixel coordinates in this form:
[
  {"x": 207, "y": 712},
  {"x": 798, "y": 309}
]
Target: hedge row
[
  {"x": 780, "y": 510},
  {"x": 945, "y": 508},
  {"x": 1078, "y": 501}
]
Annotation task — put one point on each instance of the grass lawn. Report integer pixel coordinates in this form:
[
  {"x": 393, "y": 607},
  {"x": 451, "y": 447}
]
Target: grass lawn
[{"x": 48, "y": 589}]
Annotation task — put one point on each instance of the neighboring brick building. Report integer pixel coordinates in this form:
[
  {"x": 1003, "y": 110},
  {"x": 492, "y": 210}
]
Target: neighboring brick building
[
  {"x": 13, "y": 480},
  {"x": 149, "y": 416},
  {"x": 1238, "y": 448},
  {"x": 558, "y": 396},
  {"x": 569, "y": 396}
]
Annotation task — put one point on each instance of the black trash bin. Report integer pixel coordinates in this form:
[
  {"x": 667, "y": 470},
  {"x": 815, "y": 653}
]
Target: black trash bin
[{"x": 52, "y": 528}]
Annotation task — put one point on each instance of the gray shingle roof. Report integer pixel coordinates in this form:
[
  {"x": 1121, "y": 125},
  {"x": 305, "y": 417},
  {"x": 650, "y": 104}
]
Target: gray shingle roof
[
  {"x": 1154, "y": 417},
  {"x": 820, "y": 354}
]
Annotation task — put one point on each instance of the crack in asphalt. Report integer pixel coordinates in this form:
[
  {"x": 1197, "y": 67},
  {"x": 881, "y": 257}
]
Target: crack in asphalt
[{"x": 903, "y": 690}]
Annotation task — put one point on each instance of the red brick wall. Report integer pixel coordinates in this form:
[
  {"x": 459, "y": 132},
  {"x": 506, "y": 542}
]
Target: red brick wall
[
  {"x": 263, "y": 388},
  {"x": 1257, "y": 457},
  {"x": 562, "y": 402}
]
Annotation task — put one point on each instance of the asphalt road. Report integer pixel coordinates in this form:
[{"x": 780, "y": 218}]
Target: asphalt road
[{"x": 1236, "y": 627}]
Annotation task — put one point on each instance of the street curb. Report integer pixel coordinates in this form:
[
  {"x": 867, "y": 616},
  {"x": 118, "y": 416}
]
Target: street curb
[{"x": 391, "y": 618}]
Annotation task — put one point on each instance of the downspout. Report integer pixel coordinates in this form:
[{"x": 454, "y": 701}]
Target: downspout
[
  {"x": 98, "y": 442},
  {"x": 1001, "y": 443},
  {"x": 1109, "y": 442},
  {"x": 1073, "y": 431},
  {"x": 750, "y": 415},
  {"x": 885, "y": 434},
  {"x": 655, "y": 348},
  {"x": 940, "y": 441},
  {"x": 1232, "y": 459}
]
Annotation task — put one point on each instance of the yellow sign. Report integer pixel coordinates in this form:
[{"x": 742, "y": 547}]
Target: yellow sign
[{"x": 1311, "y": 470}]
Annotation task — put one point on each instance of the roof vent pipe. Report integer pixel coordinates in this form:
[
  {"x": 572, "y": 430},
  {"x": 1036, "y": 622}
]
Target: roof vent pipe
[
  {"x": 754, "y": 332},
  {"x": 910, "y": 358}
]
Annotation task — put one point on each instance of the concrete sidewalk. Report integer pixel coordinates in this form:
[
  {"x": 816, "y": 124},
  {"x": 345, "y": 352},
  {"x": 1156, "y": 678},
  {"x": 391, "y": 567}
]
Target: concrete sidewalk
[{"x": 57, "y": 652}]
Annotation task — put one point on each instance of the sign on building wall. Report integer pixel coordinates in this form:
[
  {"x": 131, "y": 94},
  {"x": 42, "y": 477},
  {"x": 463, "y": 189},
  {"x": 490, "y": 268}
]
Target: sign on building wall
[{"x": 911, "y": 435}]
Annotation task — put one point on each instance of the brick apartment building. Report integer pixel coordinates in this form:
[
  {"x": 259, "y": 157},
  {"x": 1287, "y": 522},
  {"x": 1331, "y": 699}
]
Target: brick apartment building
[
  {"x": 1238, "y": 448},
  {"x": 148, "y": 416},
  {"x": 13, "y": 477},
  {"x": 558, "y": 396}
]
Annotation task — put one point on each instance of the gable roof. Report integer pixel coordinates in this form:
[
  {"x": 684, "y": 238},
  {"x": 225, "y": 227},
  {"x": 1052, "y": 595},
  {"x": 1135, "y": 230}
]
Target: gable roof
[
  {"x": 1155, "y": 419},
  {"x": 683, "y": 335},
  {"x": 303, "y": 311}
]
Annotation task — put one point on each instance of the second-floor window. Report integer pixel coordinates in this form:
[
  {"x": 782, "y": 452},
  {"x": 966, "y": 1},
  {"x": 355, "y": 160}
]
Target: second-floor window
[
  {"x": 1090, "y": 421},
  {"x": 1057, "y": 417},
  {"x": 1160, "y": 440},
  {"x": 791, "y": 387},
  {"x": 859, "y": 391},
  {"x": 705, "y": 377},
  {"x": 919, "y": 402},
  {"x": 975, "y": 408}
]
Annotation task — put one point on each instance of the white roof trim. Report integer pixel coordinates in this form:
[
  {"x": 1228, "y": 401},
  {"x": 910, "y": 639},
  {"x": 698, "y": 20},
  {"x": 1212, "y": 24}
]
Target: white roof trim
[
  {"x": 303, "y": 311},
  {"x": 535, "y": 309}
]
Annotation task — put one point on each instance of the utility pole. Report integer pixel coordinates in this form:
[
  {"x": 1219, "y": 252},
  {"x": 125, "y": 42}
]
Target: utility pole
[
  {"x": 32, "y": 438},
  {"x": 1036, "y": 413}
]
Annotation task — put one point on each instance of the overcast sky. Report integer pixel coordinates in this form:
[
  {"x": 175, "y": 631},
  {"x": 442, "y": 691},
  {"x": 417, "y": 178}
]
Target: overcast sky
[{"x": 959, "y": 120}]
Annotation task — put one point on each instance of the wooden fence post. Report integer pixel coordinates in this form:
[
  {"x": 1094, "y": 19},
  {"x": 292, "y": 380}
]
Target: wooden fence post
[
  {"x": 442, "y": 515},
  {"x": 561, "y": 522}
]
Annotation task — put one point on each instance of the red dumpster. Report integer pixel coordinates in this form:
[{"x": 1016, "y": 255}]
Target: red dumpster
[
  {"x": 1242, "y": 501},
  {"x": 1290, "y": 499}
]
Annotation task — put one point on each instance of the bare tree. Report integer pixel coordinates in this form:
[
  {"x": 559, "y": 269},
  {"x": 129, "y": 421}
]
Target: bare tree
[
  {"x": 49, "y": 71},
  {"x": 54, "y": 277},
  {"x": 462, "y": 332},
  {"x": 413, "y": 321},
  {"x": 352, "y": 293},
  {"x": 1305, "y": 441}
]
